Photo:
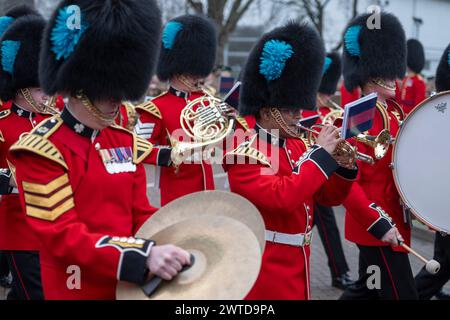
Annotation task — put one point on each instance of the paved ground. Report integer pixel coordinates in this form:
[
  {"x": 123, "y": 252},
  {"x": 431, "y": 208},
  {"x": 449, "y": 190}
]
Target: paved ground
[{"x": 320, "y": 274}]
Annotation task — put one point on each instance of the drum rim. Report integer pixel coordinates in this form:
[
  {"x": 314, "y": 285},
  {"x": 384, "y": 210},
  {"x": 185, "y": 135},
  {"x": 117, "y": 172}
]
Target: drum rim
[{"x": 406, "y": 203}]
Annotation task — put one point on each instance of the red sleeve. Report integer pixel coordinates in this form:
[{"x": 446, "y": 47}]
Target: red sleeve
[
  {"x": 67, "y": 238},
  {"x": 337, "y": 188},
  {"x": 420, "y": 91},
  {"x": 149, "y": 127},
  {"x": 262, "y": 187},
  {"x": 368, "y": 214}
]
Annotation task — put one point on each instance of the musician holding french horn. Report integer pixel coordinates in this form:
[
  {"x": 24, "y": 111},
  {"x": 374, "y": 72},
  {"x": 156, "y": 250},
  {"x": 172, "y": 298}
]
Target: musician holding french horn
[
  {"x": 274, "y": 168},
  {"x": 188, "y": 52},
  {"x": 373, "y": 59}
]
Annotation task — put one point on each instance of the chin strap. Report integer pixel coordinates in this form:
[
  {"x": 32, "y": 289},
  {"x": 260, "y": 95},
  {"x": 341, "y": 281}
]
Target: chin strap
[
  {"x": 381, "y": 83},
  {"x": 93, "y": 110},
  {"x": 275, "y": 113},
  {"x": 38, "y": 107}
]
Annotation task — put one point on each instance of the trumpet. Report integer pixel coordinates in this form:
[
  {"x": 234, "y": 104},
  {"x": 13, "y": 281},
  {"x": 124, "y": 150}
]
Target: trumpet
[
  {"x": 345, "y": 154},
  {"x": 204, "y": 120},
  {"x": 379, "y": 143}
]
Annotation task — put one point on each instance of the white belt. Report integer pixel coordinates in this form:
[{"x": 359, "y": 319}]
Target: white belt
[
  {"x": 15, "y": 190},
  {"x": 296, "y": 240}
]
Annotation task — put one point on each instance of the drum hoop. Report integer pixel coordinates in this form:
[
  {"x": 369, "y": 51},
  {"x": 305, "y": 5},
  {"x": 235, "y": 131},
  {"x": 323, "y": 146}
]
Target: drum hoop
[{"x": 394, "y": 161}]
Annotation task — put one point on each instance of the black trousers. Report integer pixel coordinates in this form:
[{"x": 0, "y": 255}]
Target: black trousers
[
  {"x": 430, "y": 284},
  {"x": 4, "y": 268},
  {"x": 26, "y": 272},
  {"x": 325, "y": 221},
  {"x": 396, "y": 278}
]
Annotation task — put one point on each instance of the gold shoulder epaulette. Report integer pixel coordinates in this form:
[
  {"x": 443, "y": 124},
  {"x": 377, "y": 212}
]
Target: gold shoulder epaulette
[
  {"x": 160, "y": 95},
  {"x": 141, "y": 149},
  {"x": 151, "y": 108},
  {"x": 243, "y": 123},
  {"x": 246, "y": 150},
  {"x": 37, "y": 141},
  {"x": 5, "y": 113}
]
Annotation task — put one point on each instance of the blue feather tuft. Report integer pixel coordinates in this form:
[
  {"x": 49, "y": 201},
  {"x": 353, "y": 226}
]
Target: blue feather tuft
[
  {"x": 5, "y": 22},
  {"x": 170, "y": 33},
  {"x": 64, "y": 36},
  {"x": 327, "y": 64},
  {"x": 9, "y": 50},
  {"x": 273, "y": 59},
  {"x": 351, "y": 40}
]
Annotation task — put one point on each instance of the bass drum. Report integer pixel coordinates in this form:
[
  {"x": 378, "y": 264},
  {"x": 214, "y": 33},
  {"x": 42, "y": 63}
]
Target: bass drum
[{"x": 421, "y": 162}]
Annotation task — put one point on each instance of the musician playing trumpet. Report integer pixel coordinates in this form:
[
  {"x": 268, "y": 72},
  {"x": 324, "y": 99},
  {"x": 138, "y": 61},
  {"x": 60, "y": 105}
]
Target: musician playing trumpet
[
  {"x": 272, "y": 167},
  {"x": 373, "y": 59}
]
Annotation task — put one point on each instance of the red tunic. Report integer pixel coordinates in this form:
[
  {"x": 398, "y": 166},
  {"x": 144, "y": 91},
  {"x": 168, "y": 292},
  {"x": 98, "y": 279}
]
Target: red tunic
[
  {"x": 347, "y": 97},
  {"x": 14, "y": 232},
  {"x": 365, "y": 223},
  {"x": 411, "y": 91},
  {"x": 126, "y": 116},
  {"x": 84, "y": 194},
  {"x": 160, "y": 119},
  {"x": 283, "y": 182}
]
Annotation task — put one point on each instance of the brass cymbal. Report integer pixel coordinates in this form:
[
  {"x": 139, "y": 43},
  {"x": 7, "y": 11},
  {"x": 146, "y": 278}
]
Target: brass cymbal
[
  {"x": 207, "y": 203},
  {"x": 227, "y": 261}
]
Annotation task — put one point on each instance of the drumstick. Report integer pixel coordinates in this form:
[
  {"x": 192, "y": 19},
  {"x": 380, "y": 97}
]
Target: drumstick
[{"x": 432, "y": 266}]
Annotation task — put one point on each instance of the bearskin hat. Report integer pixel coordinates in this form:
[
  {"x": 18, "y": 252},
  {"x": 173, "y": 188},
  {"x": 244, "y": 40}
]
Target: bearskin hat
[
  {"x": 416, "y": 55},
  {"x": 105, "y": 49},
  {"x": 14, "y": 13},
  {"x": 443, "y": 72},
  {"x": 332, "y": 71},
  {"x": 189, "y": 46},
  {"x": 373, "y": 52},
  {"x": 283, "y": 70},
  {"x": 19, "y": 55}
]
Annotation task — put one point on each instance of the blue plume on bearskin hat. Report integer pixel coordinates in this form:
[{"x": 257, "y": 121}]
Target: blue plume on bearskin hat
[
  {"x": 19, "y": 55},
  {"x": 12, "y": 14},
  {"x": 443, "y": 72},
  {"x": 373, "y": 53},
  {"x": 283, "y": 70},
  {"x": 331, "y": 73},
  {"x": 106, "y": 49},
  {"x": 416, "y": 55},
  {"x": 189, "y": 45}
]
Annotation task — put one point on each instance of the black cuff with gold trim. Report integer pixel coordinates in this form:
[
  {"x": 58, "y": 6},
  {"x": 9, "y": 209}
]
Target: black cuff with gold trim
[
  {"x": 348, "y": 174},
  {"x": 133, "y": 259},
  {"x": 164, "y": 159},
  {"x": 382, "y": 225},
  {"x": 324, "y": 160},
  {"x": 5, "y": 177}
]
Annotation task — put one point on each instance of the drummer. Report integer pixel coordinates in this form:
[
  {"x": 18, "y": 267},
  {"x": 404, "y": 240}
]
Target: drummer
[
  {"x": 81, "y": 181},
  {"x": 272, "y": 170},
  {"x": 429, "y": 285},
  {"x": 373, "y": 60}
]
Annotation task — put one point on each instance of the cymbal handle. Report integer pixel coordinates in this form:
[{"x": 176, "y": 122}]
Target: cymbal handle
[{"x": 150, "y": 286}]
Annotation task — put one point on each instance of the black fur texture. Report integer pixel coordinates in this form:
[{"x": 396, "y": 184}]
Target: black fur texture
[
  {"x": 114, "y": 58},
  {"x": 28, "y": 30},
  {"x": 194, "y": 49},
  {"x": 383, "y": 52},
  {"x": 20, "y": 10},
  {"x": 297, "y": 87},
  {"x": 331, "y": 77},
  {"x": 416, "y": 55},
  {"x": 443, "y": 72}
]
